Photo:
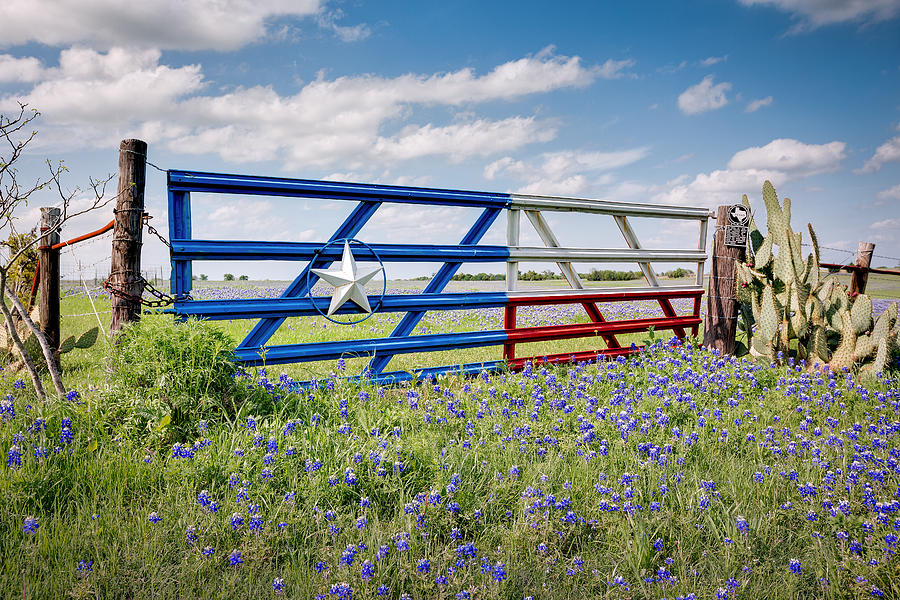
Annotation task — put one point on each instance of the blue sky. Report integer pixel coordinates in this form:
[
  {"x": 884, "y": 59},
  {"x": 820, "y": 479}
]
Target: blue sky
[{"x": 690, "y": 103}]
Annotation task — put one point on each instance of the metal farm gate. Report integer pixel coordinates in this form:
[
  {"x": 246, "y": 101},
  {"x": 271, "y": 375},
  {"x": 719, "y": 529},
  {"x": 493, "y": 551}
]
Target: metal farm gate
[{"x": 343, "y": 248}]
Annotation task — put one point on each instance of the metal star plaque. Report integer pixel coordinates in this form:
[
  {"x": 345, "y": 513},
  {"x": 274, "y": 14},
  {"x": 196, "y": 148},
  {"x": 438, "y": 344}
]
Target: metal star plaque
[{"x": 348, "y": 281}]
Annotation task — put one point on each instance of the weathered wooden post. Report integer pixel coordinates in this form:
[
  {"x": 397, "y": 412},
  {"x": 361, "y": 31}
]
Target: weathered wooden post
[
  {"x": 721, "y": 304},
  {"x": 49, "y": 275},
  {"x": 860, "y": 276},
  {"x": 125, "y": 270}
]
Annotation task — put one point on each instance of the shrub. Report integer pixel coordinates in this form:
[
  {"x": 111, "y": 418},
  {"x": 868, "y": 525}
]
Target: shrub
[{"x": 167, "y": 376}]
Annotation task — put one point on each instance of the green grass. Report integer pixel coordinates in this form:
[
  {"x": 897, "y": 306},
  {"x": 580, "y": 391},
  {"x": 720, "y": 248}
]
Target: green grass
[{"x": 92, "y": 499}]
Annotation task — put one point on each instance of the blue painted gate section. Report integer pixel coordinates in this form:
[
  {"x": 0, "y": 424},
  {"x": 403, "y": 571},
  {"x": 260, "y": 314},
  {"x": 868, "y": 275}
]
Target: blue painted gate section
[{"x": 296, "y": 301}]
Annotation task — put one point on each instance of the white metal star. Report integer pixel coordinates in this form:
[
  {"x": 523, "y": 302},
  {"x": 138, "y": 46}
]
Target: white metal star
[{"x": 348, "y": 282}]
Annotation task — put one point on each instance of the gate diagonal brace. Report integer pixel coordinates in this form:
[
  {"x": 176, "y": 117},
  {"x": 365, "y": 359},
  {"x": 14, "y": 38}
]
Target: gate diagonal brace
[
  {"x": 266, "y": 328},
  {"x": 438, "y": 283},
  {"x": 568, "y": 271}
]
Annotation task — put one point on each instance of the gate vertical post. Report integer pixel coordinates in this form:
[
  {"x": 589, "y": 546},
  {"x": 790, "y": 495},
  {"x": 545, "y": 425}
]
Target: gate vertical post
[
  {"x": 49, "y": 276},
  {"x": 722, "y": 306},
  {"x": 860, "y": 276},
  {"x": 512, "y": 276},
  {"x": 125, "y": 270}
]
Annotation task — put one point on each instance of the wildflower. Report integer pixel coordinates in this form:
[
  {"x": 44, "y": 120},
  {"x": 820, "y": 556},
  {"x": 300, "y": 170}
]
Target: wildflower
[
  {"x": 367, "y": 571},
  {"x": 795, "y": 566},
  {"x": 14, "y": 457},
  {"x": 72, "y": 396},
  {"x": 742, "y": 525},
  {"x": 499, "y": 572},
  {"x": 278, "y": 585},
  {"x": 234, "y": 558},
  {"x": 423, "y": 566},
  {"x": 30, "y": 525},
  {"x": 84, "y": 567},
  {"x": 236, "y": 521},
  {"x": 658, "y": 544},
  {"x": 154, "y": 518}
]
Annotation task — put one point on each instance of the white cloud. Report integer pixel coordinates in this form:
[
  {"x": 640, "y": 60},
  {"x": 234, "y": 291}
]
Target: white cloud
[
  {"x": 20, "y": 69},
  {"x": 779, "y": 161},
  {"x": 890, "y": 193},
  {"x": 90, "y": 87},
  {"x": 703, "y": 97},
  {"x": 790, "y": 156},
  {"x": 712, "y": 60},
  {"x": 613, "y": 69},
  {"x": 98, "y": 98},
  {"x": 812, "y": 14},
  {"x": 354, "y": 33},
  {"x": 885, "y": 153},
  {"x": 459, "y": 141},
  {"x": 892, "y": 224},
  {"x": 563, "y": 173},
  {"x": 166, "y": 24},
  {"x": 755, "y": 105}
]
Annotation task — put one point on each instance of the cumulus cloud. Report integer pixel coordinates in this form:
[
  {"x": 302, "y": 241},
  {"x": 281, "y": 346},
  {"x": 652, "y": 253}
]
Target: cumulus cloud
[
  {"x": 755, "y": 105},
  {"x": 713, "y": 60},
  {"x": 790, "y": 156},
  {"x": 329, "y": 20},
  {"x": 100, "y": 97},
  {"x": 889, "y": 194},
  {"x": 703, "y": 97},
  {"x": 812, "y": 14},
  {"x": 885, "y": 153},
  {"x": 779, "y": 161},
  {"x": 166, "y": 24},
  {"x": 20, "y": 69},
  {"x": 564, "y": 173}
]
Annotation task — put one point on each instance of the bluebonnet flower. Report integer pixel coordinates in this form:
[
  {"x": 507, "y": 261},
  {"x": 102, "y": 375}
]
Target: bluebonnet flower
[
  {"x": 658, "y": 544},
  {"x": 236, "y": 521},
  {"x": 742, "y": 525},
  {"x": 207, "y": 551},
  {"x": 234, "y": 558},
  {"x": 7, "y": 410},
  {"x": 84, "y": 567},
  {"x": 795, "y": 566},
  {"x": 350, "y": 477},
  {"x": 423, "y": 566},
  {"x": 256, "y": 523},
  {"x": 154, "y": 517},
  {"x": 499, "y": 572},
  {"x": 73, "y": 396},
  {"x": 30, "y": 525},
  {"x": 14, "y": 457},
  {"x": 362, "y": 523},
  {"x": 278, "y": 585}
]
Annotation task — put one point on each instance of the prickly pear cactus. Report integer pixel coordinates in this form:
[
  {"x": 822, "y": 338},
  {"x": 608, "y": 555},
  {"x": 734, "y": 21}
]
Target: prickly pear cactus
[{"x": 790, "y": 310}]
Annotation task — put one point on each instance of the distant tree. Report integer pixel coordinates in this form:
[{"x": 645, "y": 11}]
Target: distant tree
[
  {"x": 228, "y": 277},
  {"x": 243, "y": 278},
  {"x": 203, "y": 277}
]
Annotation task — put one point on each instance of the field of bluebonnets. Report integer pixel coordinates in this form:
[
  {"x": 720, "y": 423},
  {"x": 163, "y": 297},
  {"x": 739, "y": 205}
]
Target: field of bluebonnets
[{"x": 676, "y": 473}]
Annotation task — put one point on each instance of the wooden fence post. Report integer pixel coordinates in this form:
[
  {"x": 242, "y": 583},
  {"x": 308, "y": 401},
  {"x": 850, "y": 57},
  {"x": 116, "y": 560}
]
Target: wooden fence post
[
  {"x": 125, "y": 270},
  {"x": 863, "y": 259},
  {"x": 49, "y": 276},
  {"x": 721, "y": 304}
]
